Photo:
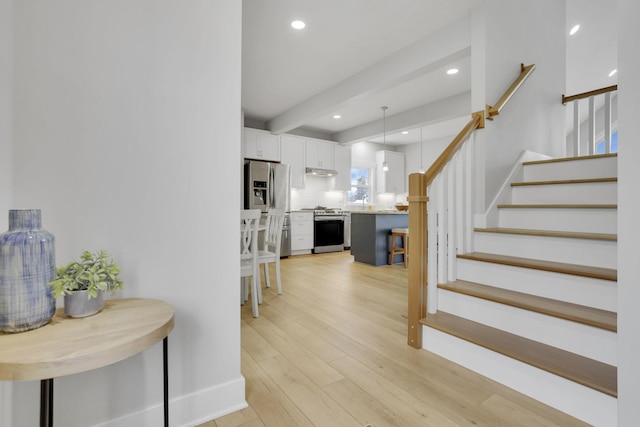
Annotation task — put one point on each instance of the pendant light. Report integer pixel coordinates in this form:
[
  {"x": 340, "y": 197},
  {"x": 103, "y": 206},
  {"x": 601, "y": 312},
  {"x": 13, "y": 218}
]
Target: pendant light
[
  {"x": 385, "y": 165},
  {"x": 421, "y": 168}
]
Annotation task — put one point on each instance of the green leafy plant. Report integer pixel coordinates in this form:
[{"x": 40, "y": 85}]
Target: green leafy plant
[{"x": 95, "y": 271}]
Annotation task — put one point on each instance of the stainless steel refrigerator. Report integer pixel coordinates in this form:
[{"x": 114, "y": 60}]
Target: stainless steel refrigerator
[{"x": 268, "y": 185}]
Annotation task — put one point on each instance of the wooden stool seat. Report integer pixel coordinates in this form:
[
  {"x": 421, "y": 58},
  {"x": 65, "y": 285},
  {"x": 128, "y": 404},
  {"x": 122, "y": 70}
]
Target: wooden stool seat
[{"x": 403, "y": 234}]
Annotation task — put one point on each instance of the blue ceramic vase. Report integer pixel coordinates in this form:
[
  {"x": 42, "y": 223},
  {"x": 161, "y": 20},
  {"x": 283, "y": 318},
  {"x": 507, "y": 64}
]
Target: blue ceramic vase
[{"x": 27, "y": 265}]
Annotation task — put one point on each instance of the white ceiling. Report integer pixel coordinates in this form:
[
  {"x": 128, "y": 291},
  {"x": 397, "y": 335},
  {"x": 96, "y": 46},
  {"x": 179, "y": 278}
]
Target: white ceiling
[{"x": 343, "y": 63}]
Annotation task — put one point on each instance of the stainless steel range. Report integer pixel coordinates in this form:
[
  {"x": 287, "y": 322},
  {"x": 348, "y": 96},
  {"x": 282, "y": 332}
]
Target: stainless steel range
[{"x": 328, "y": 230}]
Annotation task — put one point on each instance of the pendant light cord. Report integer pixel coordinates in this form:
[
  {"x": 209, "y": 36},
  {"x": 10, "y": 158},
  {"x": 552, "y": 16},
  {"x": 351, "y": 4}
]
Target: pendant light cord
[
  {"x": 384, "y": 126},
  {"x": 421, "y": 168},
  {"x": 385, "y": 165}
]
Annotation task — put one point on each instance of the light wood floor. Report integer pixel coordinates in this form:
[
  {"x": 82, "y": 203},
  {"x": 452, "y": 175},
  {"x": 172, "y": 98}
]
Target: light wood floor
[{"x": 331, "y": 351}]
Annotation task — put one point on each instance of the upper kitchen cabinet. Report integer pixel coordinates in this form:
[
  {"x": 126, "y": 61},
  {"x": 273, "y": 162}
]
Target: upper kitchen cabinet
[
  {"x": 292, "y": 154},
  {"x": 393, "y": 180},
  {"x": 261, "y": 145},
  {"x": 342, "y": 164},
  {"x": 319, "y": 154}
]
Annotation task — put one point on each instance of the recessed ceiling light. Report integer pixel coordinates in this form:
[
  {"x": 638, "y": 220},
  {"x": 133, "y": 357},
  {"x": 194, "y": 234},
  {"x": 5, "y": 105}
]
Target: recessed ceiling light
[
  {"x": 405, "y": 132},
  {"x": 337, "y": 116},
  {"x": 612, "y": 73},
  {"x": 298, "y": 25},
  {"x": 452, "y": 71},
  {"x": 574, "y": 29}
]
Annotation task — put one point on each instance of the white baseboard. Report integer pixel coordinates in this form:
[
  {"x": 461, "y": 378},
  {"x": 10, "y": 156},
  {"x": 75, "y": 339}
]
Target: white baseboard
[
  {"x": 6, "y": 394},
  {"x": 189, "y": 410},
  {"x": 571, "y": 398}
]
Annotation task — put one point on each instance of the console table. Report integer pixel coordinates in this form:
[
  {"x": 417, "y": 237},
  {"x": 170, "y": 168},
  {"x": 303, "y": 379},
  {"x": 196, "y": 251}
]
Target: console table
[{"x": 68, "y": 346}]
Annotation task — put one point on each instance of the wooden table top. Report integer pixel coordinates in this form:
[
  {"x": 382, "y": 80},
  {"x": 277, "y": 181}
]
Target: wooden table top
[{"x": 68, "y": 345}]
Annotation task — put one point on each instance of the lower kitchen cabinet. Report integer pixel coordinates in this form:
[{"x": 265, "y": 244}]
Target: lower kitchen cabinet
[
  {"x": 370, "y": 238},
  {"x": 301, "y": 232}
]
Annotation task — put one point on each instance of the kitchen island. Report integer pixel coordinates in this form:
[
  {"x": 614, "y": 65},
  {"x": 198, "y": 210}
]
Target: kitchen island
[{"x": 370, "y": 235}]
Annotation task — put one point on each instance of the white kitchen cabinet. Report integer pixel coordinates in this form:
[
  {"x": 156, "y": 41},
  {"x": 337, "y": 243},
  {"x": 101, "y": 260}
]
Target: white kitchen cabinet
[
  {"x": 292, "y": 153},
  {"x": 261, "y": 145},
  {"x": 301, "y": 232},
  {"x": 392, "y": 181},
  {"x": 319, "y": 154},
  {"x": 342, "y": 164}
]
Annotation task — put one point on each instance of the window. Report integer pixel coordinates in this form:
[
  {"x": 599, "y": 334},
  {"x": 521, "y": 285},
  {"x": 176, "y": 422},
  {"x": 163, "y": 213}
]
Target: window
[
  {"x": 614, "y": 144},
  {"x": 360, "y": 186}
]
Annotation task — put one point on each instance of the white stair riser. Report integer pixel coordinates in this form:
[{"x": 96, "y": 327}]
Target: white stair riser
[
  {"x": 597, "y": 253},
  {"x": 587, "y": 341},
  {"x": 583, "y": 193},
  {"x": 590, "y": 406},
  {"x": 560, "y": 219},
  {"x": 585, "y": 291},
  {"x": 578, "y": 169}
]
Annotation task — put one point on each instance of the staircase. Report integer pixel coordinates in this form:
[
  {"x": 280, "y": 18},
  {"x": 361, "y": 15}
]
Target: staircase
[{"x": 534, "y": 305}]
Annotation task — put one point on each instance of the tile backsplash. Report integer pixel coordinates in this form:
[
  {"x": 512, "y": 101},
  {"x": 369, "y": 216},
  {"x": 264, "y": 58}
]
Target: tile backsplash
[{"x": 315, "y": 194}]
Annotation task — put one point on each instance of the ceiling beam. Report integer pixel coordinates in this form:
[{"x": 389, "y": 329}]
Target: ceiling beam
[
  {"x": 449, "y": 44},
  {"x": 435, "y": 112}
]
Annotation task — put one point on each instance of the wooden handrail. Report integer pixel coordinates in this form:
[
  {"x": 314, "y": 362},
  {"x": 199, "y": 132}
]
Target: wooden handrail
[
  {"x": 589, "y": 94},
  {"x": 476, "y": 122},
  {"x": 418, "y": 215},
  {"x": 525, "y": 72}
]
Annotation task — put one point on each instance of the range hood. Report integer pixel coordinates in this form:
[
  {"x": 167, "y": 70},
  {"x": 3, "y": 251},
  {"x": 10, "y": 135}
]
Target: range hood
[{"x": 321, "y": 172}]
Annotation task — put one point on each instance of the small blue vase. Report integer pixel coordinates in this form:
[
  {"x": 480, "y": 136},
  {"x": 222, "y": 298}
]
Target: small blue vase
[{"x": 27, "y": 265}]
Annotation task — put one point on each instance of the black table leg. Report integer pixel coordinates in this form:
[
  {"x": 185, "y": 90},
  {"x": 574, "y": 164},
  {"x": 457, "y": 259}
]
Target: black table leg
[
  {"x": 46, "y": 403},
  {"x": 165, "y": 369}
]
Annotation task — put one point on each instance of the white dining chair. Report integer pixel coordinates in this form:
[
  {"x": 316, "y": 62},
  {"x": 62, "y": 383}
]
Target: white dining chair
[
  {"x": 270, "y": 252},
  {"x": 250, "y": 220}
]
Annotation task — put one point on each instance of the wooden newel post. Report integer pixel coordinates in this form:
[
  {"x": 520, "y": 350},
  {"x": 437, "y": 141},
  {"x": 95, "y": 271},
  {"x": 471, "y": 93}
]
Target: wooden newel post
[{"x": 417, "y": 289}]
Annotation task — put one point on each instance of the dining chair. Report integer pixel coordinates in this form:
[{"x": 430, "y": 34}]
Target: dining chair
[
  {"x": 250, "y": 220},
  {"x": 270, "y": 252}
]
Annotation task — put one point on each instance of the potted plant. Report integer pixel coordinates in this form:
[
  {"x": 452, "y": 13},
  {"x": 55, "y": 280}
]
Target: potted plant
[{"x": 82, "y": 283}]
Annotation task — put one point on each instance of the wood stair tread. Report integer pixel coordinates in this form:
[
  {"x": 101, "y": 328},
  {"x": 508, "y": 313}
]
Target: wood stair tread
[
  {"x": 549, "y": 233},
  {"x": 552, "y": 266},
  {"x": 559, "y": 206},
  {"x": 564, "y": 181},
  {"x": 570, "y": 159},
  {"x": 602, "y": 319},
  {"x": 590, "y": 373}
]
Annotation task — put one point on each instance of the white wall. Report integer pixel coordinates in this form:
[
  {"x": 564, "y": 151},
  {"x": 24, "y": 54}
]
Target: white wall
[
  {"x": 6, "y": 112},
  {"x": 628, "y": 208},
  {"x": 127, "y": 135},
  {"x": 431, "y": 149},
  {"x": 363, "y": 154},
  {"x": 6, "y": 156},
  {"x": 520, "y": 31}
]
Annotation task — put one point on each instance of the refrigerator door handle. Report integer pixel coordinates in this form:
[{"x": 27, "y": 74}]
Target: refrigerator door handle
[{"x": 272, "y": 186}]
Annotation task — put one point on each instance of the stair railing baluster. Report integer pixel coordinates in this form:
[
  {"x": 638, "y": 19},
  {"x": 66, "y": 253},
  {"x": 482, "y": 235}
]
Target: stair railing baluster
[
  {"x": 576, "y": 140},
  {"x": 451, "y": 219},
  {"x": 607, "y": 122},
  {"x": 592, "y": 126},
  {"x": 429, "y": 256}
]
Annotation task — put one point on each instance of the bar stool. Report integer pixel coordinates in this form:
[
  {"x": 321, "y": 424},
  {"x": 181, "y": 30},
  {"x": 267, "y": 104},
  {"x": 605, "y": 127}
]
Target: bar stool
[{"x": 402, "y": 233}]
